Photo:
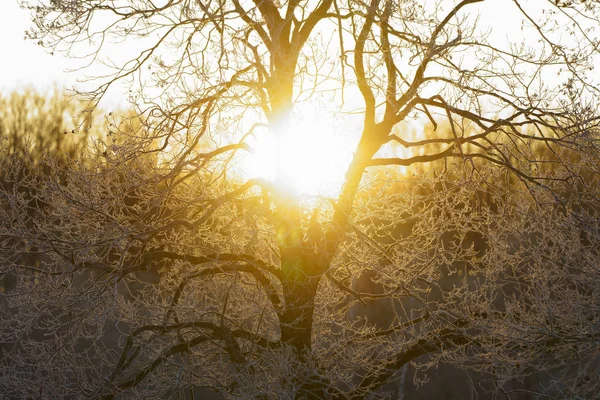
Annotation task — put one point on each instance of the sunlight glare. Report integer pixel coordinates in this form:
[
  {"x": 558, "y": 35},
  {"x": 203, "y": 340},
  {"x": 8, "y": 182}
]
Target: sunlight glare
[{"x": 310, "y": 158}]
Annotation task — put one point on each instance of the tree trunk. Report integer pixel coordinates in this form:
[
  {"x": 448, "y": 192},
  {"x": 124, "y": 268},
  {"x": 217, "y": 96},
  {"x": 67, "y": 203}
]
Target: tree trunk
[
  {"x": 299, "y": 290},
  {"x": 302, "y": 268}
]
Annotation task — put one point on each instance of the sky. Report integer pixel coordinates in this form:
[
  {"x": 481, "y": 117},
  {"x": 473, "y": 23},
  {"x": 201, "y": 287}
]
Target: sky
[
  {"x": 26, "y": 63},
  {"x": 30, "y": 65}
]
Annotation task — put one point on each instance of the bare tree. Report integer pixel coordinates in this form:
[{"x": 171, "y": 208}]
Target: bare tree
[{"x": 159, "y": 268}]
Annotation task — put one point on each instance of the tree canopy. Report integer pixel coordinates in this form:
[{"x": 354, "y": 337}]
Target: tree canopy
[{"x": 158, "y": 263}]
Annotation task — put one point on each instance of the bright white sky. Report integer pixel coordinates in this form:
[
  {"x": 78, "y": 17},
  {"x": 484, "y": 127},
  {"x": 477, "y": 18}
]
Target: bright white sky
[
  {"x": 24, "y": 62},
  {"x": 27, "y": 64}
]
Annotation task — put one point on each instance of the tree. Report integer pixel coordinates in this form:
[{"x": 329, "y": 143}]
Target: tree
[
  {"x": 43, "y": 121},
  {"x": 166, "y": 269}
]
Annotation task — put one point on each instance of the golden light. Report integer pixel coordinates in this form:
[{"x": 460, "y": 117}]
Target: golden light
[{"x": 309, "y": 158}]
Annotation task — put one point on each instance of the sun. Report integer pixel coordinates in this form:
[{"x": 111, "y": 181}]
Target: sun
[{"x": 308, "y": 158}]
